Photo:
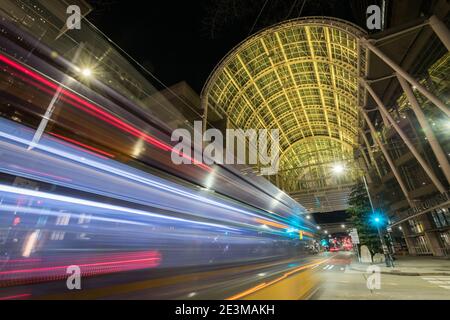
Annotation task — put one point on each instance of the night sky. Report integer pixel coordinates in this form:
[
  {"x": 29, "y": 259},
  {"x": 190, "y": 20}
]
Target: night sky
[{"x": 175, "y": 39}]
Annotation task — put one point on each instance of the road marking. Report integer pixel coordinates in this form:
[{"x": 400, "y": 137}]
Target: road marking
[
  {"x": 331, "y": 267},
  {"x": 342, "y": 269},
  {"x": 326, "y": 267},
  {"x": 442, "y": 282},
  {"x": 125, "y": 288},
  {"x": 284, "y": 276}
]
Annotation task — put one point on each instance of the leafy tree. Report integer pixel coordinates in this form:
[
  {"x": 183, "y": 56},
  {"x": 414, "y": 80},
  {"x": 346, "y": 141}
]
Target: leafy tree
[{"x": 360, "y": 211}]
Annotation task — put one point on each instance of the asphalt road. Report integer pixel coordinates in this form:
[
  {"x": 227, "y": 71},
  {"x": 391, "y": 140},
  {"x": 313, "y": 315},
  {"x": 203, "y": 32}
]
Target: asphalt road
[
  {"x": 340, "y": 282},
  {"x": 327, "y": 276},
  {"x": 230, "y": 282}
]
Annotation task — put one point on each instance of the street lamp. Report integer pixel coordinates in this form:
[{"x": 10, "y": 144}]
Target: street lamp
[
  {"x": 378, "y": 221},
  {"x": 338, "y": 168},
  {"x": 86, "y": 72}
]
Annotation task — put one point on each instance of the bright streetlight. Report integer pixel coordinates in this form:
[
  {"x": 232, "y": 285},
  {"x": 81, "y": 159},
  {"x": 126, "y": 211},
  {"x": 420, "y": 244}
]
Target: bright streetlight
[
  {"x": 378, "y": 220},
  {"x": 86, "y": 72},
  {"x": 338, "y": 168}
]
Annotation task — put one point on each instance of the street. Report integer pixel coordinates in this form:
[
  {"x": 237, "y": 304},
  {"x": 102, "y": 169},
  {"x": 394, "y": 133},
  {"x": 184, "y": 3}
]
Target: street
[{"x": 341, "y": 282}]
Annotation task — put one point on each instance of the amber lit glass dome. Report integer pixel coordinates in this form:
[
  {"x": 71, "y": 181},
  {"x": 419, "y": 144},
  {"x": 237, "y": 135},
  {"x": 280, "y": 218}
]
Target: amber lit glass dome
[{"x": 300, "y": 77}]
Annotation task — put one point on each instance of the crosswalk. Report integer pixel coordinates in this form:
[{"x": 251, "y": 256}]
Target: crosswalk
[
  {"x": 331, "y": 266},
  {"x": 440, "y": 281}
]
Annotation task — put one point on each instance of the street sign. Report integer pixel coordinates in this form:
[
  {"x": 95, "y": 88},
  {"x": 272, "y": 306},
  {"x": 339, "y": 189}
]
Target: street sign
[{"x": 354, "y": 236}]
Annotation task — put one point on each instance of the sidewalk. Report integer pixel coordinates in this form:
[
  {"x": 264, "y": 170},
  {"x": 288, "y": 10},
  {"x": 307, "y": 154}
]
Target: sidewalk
[{"x": 410, "y": 266}]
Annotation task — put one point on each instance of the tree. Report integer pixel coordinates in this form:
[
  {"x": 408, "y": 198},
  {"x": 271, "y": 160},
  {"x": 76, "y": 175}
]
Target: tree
[{"x": 360, "y": 211}]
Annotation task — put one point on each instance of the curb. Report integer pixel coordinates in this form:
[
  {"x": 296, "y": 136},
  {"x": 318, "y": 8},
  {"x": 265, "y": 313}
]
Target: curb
[{"x": 401, "y": 273}]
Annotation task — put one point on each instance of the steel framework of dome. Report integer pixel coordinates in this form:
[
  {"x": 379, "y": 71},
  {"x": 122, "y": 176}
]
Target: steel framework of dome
[{"x": 300, "y": 77}]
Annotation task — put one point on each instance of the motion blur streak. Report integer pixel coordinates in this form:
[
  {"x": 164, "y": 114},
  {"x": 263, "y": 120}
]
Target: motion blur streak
[
  {"x": 92, "y": 204},
  {"x": 109, "y": 166},
  {"x": 284, "y": 276},
  {"x": 97, "y": 112},
  {"x": 18, "y": 296},
  {"x": 90, "y": 265},
  {"x": 98, "y": 191},
  {"x": 85, "y": 146},
  {"x": 270, "y": 223}
]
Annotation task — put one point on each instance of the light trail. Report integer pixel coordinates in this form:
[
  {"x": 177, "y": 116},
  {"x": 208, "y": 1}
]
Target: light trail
[
  {"x": 266, "y": 284},
  {"x": 128, "y": 174},
  {"x": 98, "y": 112},
  {"x": 89, "y": 203},
  {"x": 18, "y": 296},
  {"x": 85, "y": 146}
]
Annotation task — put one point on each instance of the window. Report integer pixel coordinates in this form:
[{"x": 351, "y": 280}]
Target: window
[
  {"x": 440, "y": 218},
  {"x": 421, "y": 245},
  {"x": 415, "y": 226},
  {"x": 445, "y": 239}
]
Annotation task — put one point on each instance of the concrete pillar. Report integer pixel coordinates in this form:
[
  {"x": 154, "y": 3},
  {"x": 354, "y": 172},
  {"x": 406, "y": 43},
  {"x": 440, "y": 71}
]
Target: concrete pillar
[
  {"x": 441, "y": 31},
  {"x": 430, "y": 96},
  {"x": 409, "y": 242},
  {"x": 431, "y": 236},
  {"x": 406, "y": 140},
  {"x": 424, "y": 124},
  {"x": 388, "y": 159}
]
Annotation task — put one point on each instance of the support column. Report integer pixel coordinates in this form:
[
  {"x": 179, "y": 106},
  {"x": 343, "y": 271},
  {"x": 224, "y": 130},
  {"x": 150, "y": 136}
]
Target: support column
[
  {"x": 431, "y": 236},
  {"x": 438, "y": 152},
  {"x": 441, "y": 31},
  {"x": 388, "y": 159},
  {"x": 408, "y": 240},
  {"x": 205, "y": 114},
  {"x": 367, "y": 163},
  {"x": 372, "y": 158},
  {"x": 430, "y": 96},
  {"x": 406, "y": 140}
]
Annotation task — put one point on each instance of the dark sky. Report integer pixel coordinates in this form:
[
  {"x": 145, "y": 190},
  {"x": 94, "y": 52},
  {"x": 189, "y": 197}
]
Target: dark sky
[{"x": 173, "y": 39}]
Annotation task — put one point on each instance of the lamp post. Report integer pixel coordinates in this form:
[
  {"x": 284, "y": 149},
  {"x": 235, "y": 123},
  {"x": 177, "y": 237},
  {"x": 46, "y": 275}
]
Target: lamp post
[
  {"x": 387, "y": 256},
  {"x": 377, "y": 220}
]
